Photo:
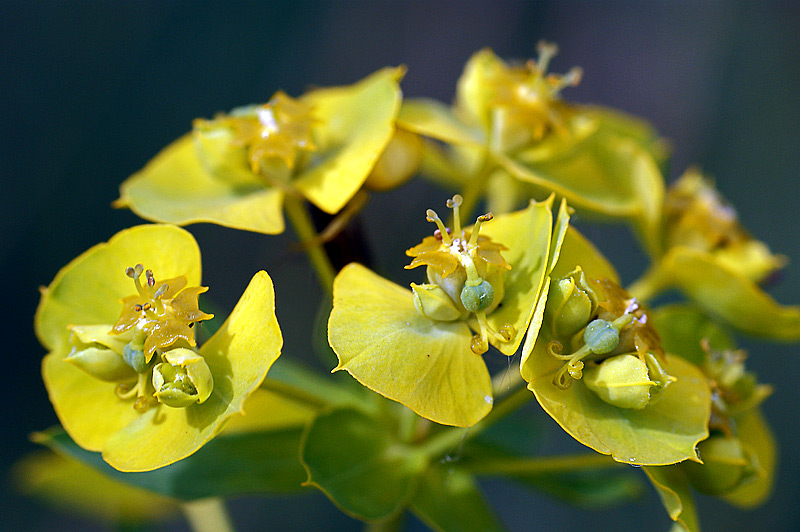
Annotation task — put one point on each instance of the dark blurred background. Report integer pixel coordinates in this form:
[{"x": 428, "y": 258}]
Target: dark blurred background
[{"x": 90, "y": 91}]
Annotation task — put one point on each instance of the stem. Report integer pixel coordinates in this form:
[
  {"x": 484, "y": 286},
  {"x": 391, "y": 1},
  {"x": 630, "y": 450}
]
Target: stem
[
  {"x": 208, "y": 515},
  {"x": 451, "y": 438},
  {"x": 393, "y": 524},
  {"x": 304, "y": 228},
  {"x": 294, "y": 393},
  {"x": 547, "y": 464}
]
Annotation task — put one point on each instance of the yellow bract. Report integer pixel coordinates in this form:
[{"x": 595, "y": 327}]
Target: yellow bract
[
  {"x": 88, "y": 291},
  {"x": 383, "y": 340},
  {"x": 664, "y": 430},
  {"x": 235, "y": 170}
]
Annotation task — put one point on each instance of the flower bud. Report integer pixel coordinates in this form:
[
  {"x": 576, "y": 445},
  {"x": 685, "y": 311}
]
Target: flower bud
[
  {"x": 183, "y": 379},
  {"x": 434, "y": 303},
  {"x": 398, "y": 162},
  {"x": 477, "y": 297},
  {"x": 725, "y": 466},
  {"x": 621, "y": 381},
  {"x": 570, "y": 305},
  {"x": 101, "y": 363}
]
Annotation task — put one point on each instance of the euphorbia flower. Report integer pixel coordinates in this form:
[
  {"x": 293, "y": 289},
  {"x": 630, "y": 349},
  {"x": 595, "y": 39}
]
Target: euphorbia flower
[
  {"x": 417, "y": 347},
  {"x": 594, "y": 362},
  {"x": 124, "y": 373},
  {"x": 510, "y": 123},
  {"x": 235, "y": 170},
  {"x": 715, "y": 262}
]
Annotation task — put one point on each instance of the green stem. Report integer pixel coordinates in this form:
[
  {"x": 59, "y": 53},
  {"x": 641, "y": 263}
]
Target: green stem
[
  {"x": 208, "y": 515},
  {"x": 304, "y": 227},
  {"x": 546, "y": 464},
  {"x": 394, "y": 524},
  {"x": 294, "y": 393},
  {"x": 449, "y": 439}
]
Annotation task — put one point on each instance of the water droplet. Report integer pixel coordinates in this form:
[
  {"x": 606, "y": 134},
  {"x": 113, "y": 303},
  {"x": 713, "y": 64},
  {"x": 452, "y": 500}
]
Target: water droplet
[{"x": 488, "y": 399}]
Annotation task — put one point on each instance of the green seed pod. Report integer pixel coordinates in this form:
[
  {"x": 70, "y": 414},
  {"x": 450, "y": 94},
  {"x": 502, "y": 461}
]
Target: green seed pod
[
  {"x": 621, "y": 381},
  {"x": 133, "y": 355},
  {"x": 434, "y": 303},
  {"x": 601, "y": 337},
  {"x": 570, "y": 305},
  {"x": 101, "y": 363},
  {"x": 477, "y": 297},
  {"x": 183, "y": 379},
  {"x": 725, "y": 466}
]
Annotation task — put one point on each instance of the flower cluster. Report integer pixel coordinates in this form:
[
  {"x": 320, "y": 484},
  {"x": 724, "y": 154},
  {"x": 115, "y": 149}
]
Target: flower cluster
[{"x": 657, "y": 386}]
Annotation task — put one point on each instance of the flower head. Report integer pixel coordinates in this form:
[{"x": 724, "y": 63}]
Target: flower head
[
  {"x": 417, "y": 347},
  {"x": 594, "y": 361},
  {"x": 236, "y": 169},
  {"x": 131, "y": 382}
]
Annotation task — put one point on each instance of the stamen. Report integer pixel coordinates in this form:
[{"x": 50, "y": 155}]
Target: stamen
[
  {"x": 161, "y": 291},
  {"x": 473, "y": 238},
  {"x": 431, "y": 216},
  {"x": 546, "y": 51},
  {"x": 130, "y": 272},
  {"x": 151, "y": 281},
  {"x": 138, "y": 269},
  {"x": 454, "y": 204}
]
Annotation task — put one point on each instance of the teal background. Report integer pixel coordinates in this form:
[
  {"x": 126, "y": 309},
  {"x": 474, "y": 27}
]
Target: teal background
[{"x": 92, "y": 90}]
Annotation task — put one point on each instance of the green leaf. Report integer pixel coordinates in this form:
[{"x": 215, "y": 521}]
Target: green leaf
[
  {"x": 77, "y": 488},
  {"x": 448, "y": 500},
  {"x": 357, "y": 461},
  {"x": 436, "y": 120},
  {"x": 265, "y": 462},
  {"x": 672, "y": 487}
]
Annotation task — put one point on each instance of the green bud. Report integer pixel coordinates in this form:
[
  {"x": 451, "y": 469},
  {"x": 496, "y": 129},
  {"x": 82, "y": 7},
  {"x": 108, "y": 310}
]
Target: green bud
[
  {"x": 477, "y": 297},
  {"x": 183, "y": 379},
  {"x": 434, "y": 303},
  {"x": 601, "y": 337},
  {"x": 621, "y": 381},
  {"x": 101, "y": 363},
  {"x": 570, "y": 305},
  {"x": 133, "y": 355},
  {"x": 725, "y": 466}
]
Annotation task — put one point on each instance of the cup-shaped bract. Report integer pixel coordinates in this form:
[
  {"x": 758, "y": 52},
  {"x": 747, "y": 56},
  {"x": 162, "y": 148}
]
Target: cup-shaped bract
[
  {"x": 235, "y": 170},
  {"x": 84, "y": 300},
  {"x": 661, "y": 426},
  {"x": 419, "y": 350}
]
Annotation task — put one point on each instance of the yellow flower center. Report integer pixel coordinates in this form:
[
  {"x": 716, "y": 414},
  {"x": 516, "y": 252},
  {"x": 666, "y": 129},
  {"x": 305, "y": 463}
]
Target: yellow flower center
[
  {"x": 528, "y": 96},
  {"x": 468, "y": 267},
  {"x": 279, "y": 130}
]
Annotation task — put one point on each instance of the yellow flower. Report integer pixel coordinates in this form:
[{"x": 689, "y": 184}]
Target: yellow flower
[
  {"x": 716, "y": 263},
  {"x": 595, "y": 364},
  {"x": 510, "y": 128},
  {"x": 132, "y": 384},
  {"x": 236, "y": 169},
  {"x": 416, "y": 347}
]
